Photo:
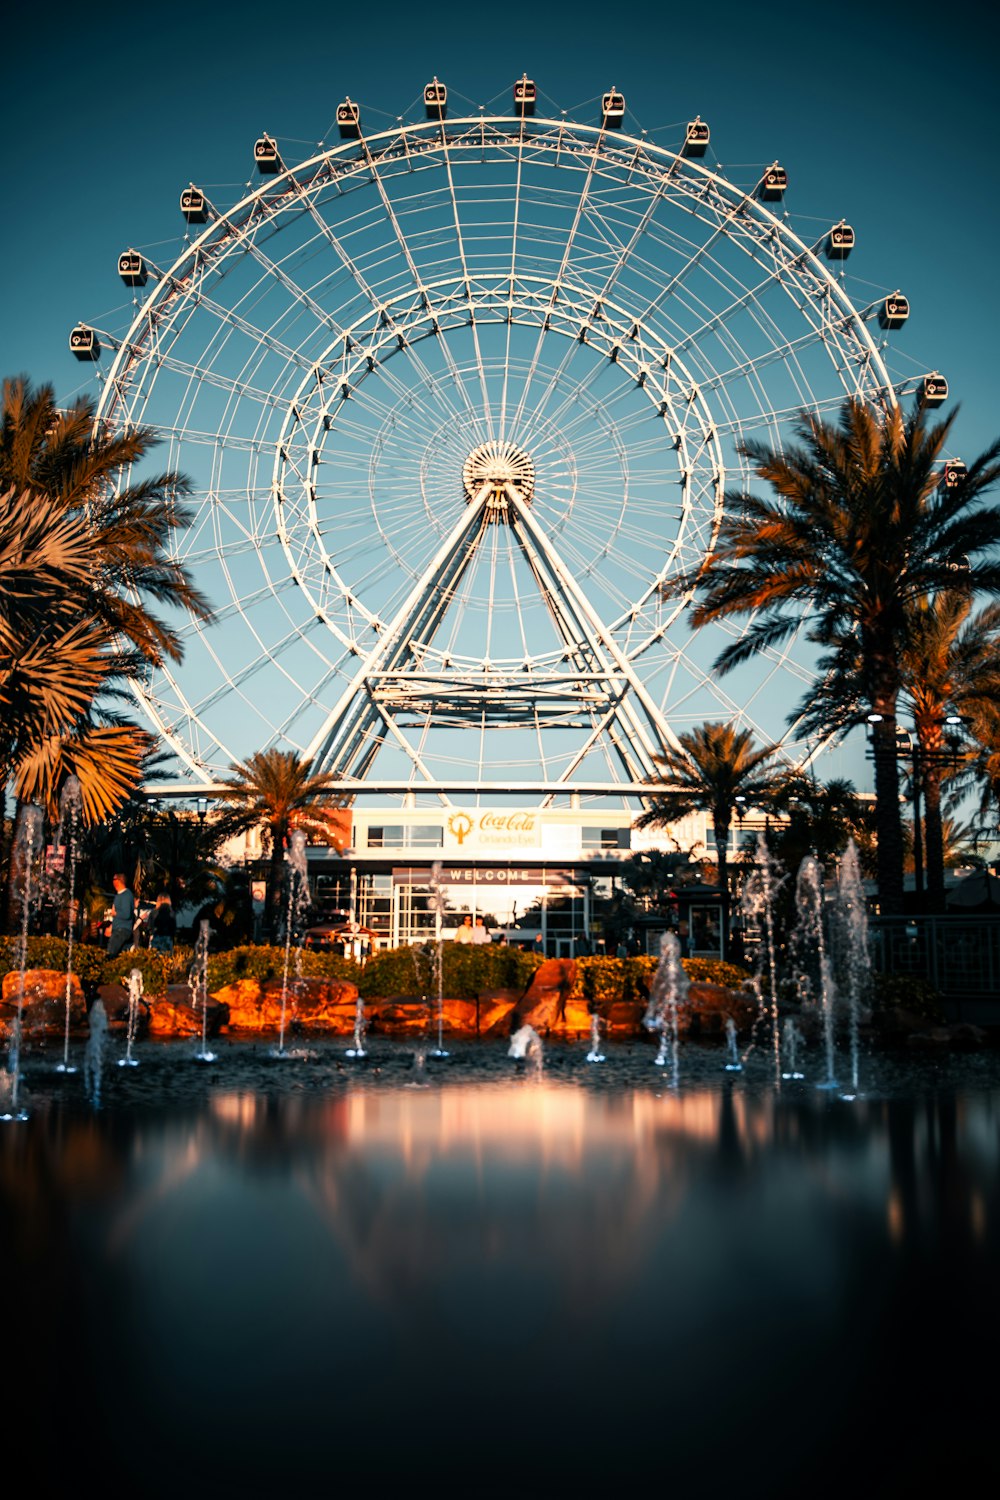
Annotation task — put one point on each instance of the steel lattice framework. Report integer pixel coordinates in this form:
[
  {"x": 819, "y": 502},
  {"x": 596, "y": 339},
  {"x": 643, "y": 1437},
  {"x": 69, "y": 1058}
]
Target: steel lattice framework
[{"x": 458, "y": 399}]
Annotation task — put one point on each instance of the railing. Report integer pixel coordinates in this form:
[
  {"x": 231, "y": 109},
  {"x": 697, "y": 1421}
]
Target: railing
[{"x": 959, "y": 955}]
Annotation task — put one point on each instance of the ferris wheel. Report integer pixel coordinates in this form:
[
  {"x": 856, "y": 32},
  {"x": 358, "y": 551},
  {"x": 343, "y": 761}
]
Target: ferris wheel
[{"x": 459, "y": 398}]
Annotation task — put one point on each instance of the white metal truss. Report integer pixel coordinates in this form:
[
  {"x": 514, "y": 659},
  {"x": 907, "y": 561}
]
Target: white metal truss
[
  {"x": 596, "y": 688},
  {"x": 326, "y": 356}
]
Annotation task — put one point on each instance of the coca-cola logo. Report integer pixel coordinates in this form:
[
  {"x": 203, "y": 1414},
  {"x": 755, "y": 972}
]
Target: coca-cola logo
[
  {"x": 507, "y": 822},
  {"x": 460, "y": 826}
]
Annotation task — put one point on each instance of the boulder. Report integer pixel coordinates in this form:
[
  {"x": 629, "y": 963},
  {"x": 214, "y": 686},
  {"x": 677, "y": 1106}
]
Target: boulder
[
  {"x": 114, "y": 998},
  {"x": 172, "y": 1014},
  {"x": 495, "y": 1007},
  {"x": 709, "y": 1005},
  {"x": 310, "y": 1004},
  {"x": 543, "y": 1004},
  {"x": 43, "y": 1008}
]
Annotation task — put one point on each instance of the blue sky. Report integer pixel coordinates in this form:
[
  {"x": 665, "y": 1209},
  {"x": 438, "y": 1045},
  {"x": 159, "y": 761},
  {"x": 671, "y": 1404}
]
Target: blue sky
[{"x": 887, "y": 119}]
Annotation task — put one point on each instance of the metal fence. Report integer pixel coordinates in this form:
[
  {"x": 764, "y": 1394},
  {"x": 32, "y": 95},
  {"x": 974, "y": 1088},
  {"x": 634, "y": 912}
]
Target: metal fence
[{"x": 959, "y": 955}]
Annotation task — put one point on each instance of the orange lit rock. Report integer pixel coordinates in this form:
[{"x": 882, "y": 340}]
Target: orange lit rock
[
  {"x": 708, "y": 1005},
  {"x": 412, "y": 1017},
  {"x": 172, "y": 1014},
  {"x": 543, "y": 1003},
  {"x": 44, "y": 1004},
  {"x": 310, "y": 1004},
  {"x": 495, "y": 1007}
]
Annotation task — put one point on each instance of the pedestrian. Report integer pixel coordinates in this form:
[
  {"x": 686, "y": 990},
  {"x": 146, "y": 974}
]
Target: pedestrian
[
  {"x": 465, "y": 933},
  {"x": 479, "y": 933},
  {"x": 122, "y": 918},
  {"x": 164, "y": 925}
]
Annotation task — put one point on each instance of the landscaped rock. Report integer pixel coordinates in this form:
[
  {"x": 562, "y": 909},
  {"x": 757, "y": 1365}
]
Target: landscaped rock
[
  {"x": 115, "y": 999},
  {"x": 44, "y": 1005},
  {"x": 309, "y": 1004},
  {"x": 172, "y": 1014},
  {"x": 495, "y": 1007},
  {"x": 543, "y": 1004},
  {"x": 708, "y": 1006}
]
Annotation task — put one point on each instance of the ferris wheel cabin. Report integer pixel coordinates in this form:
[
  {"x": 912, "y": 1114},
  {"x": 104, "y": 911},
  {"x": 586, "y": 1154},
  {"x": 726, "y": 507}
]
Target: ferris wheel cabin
[
  {"x": 348, "y": 121},
  {"x": 436, "y": 100},
  {"x": 525, "y": 96},
  {"x": 84, "y": 343},
  {"x": 612, "y": 110},
  {"x": 894, "y": 311},
  {"x": 194, "y": 206},
  {"x": 696, "y": 138},
  {"x": 266, "y": 157},
  {"x": 934, "y": 389},
  {"x": 773, "y": 184},
  {"x": 839, "y": 242},
  {"x": 132, "y": 268}
]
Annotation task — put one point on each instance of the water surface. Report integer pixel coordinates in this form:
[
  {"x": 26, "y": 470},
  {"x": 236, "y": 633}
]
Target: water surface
[{"x": 262, "y": 1276}]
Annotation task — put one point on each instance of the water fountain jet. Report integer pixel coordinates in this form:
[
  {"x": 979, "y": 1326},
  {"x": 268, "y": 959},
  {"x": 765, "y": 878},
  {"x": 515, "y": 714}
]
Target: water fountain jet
[
  {"x": 27, "y": 845},
  {"x": 70, "y": 804}
]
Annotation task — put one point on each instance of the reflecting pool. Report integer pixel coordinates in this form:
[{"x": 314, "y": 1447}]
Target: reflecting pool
[{"x": 263, "y": 1276}]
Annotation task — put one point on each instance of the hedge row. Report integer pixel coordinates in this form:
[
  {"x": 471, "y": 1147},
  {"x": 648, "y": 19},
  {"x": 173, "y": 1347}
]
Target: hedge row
[{"x": 467, "y": 969}]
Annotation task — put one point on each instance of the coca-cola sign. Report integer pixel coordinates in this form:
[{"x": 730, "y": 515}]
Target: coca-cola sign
[{"x": 492, "y": 830}]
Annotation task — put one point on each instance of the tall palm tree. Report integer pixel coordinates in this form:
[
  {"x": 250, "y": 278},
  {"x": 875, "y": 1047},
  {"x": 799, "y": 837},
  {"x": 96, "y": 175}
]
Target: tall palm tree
[
  {"x": 716, "y": 764},
  {"x": 84, "y": 564},
  {"x": 275, "y": 789},
  {"x": 86, "y": 473},
  {"x": 951, "y": 660},
  {"x": 860, "y": 529}
]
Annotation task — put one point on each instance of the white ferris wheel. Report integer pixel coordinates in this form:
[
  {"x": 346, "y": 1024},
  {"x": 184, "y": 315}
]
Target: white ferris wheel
[{"x": 458, "y": 398}]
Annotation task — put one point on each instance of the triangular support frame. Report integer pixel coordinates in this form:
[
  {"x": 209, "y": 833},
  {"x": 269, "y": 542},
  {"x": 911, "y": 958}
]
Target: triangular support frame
[{"x": 599, "y": 687}]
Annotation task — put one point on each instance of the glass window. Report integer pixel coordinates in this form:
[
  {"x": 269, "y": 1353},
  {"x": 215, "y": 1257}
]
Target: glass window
[{"x": 600, "y": 838}]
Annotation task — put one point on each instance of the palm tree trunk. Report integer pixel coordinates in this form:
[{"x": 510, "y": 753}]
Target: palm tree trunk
[
  {"x": 721, "y": 832},
  {"x": 888, "y": 823},
  {"x": 276, "y": 877},
  {"x": 934, "y": 837}
]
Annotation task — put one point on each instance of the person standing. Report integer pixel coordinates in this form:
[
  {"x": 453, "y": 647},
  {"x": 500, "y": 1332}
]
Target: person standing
[
  {"x": 123, "y": 917},
  {"x": 465, "y": 933},
  {"x": 479, "y": 933},
  {"x": 163, "y": 926}
]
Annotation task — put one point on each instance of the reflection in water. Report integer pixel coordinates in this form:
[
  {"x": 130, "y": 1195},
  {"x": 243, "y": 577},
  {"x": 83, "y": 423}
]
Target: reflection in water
[{"x": 348, "y": 1279}]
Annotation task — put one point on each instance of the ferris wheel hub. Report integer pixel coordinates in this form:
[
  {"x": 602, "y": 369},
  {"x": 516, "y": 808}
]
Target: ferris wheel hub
[{"x": 502, "y": 466}]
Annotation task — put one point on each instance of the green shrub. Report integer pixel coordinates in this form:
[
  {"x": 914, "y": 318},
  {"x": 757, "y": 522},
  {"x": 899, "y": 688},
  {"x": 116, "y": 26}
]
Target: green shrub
[
  {"x": 603, "y": 981},
  {"x": 50, "y": 953},
  {"x": 466, "y": 970},
  {"x": 264, "y": 961}
]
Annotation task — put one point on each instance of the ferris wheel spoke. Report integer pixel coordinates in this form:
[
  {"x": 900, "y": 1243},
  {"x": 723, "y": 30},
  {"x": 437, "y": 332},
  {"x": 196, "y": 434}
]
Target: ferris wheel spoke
[
  {"x": 368, "y": 292},
  {"x": 513, "y": 281},
  {"x": 560, "y": 274},
  {"x": 487, "y": 410}
]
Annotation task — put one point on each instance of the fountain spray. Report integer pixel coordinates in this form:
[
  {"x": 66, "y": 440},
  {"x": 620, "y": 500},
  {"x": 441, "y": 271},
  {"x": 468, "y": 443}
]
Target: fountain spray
[
  {"x": 668, "y": 992},
  {"x": 70, "y": 804},
  {"x": 29, "y": 841},
  {"x": 198, "y": 985},
  {"x": 810, "y": 935}
]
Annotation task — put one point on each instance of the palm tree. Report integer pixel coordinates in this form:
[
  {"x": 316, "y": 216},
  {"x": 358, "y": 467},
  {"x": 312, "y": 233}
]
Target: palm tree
[
  {"x": 821, "y": 819},
  {"x": 50, "y": 657},
  {"x": 715, "y": 765},
  {"x": 126, "y": 525},
  {"x": 83, "y": 556},
  {"x": 276, "y": 789},
  {"x": 951, "y": 661},
  {"x": 84, "y": 559},
  {"x": 860, "y": 530}
]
